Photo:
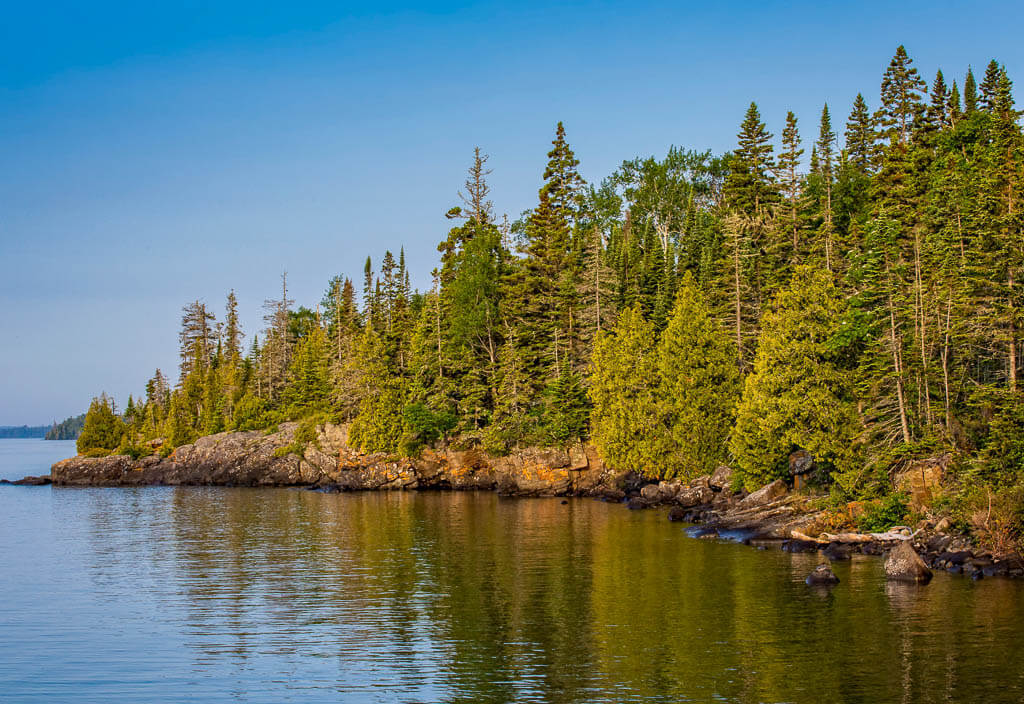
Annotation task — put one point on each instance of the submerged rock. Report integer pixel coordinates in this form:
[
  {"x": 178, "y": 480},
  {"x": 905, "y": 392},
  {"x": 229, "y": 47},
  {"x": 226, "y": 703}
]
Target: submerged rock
[
  {"x": 905, "y": 565},
  {"x": 837, "y": 551},
  {"x": 678, "y": 513},
  {"x": 822, "y": 575}
]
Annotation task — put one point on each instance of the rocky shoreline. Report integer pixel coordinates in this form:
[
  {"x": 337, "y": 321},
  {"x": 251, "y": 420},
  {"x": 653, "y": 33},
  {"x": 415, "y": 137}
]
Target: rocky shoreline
[{"x": 772, "y": 516}]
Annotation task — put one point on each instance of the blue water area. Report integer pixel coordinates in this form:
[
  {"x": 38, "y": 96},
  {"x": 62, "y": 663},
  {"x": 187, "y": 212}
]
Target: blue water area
[{"x": 197, "y": 594}]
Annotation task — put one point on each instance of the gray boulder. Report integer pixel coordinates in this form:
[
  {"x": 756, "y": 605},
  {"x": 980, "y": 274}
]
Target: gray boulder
[
  {"x": 721, "y": 479},
  {"x": 766, "y": 494},
  {"x": 905, "y": 565}
]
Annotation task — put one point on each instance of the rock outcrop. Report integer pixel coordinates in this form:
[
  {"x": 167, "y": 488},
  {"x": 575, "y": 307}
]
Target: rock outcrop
[{"x": 256, "y": 459}]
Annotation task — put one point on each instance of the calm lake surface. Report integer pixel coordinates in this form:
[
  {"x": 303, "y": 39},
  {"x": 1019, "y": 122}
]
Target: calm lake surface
[{"x": 210, "y": 595}]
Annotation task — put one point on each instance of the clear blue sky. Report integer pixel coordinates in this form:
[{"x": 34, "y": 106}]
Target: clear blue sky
[{"x": 155, "y": 153}]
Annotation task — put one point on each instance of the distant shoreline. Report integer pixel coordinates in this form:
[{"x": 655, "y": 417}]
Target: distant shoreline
[{"x": 23, "y": 432}]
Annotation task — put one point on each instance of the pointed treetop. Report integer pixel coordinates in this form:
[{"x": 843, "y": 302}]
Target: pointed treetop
[
  {"x": 970, "y": 93},
  {"x": 938, "y": 111},
  {"x": 860, "y": 135},
  {"x": 563, "y": 186},
  {"x": 826, "y": 140},
  {"x": 990, "y": 86},
  {"x": 902, "y": 92}
]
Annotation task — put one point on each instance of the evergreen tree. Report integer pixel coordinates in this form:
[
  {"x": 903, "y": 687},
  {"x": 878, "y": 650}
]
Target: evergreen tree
[
  {"x": 902, "y": 88},
  {"x": 101, "y": 434},
  {"x": 796, "y": 396},
  {"x": 309, "y": 380},
  {"x": 970, "y": 93},
  {"x": 990, "y": 86},
  {"x": 749, "y": 187},
  {"x": 860, "y": 135},
  {"x": 378, "y": 426},
  {"x": 624, "y": 421},
  {"x": 789, "y": 163},
  {"x": 824, "y": 148},
  {"x": 698, "y": 386}
]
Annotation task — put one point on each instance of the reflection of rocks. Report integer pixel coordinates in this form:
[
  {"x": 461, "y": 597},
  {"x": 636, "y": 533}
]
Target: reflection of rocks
[{"x": 904, "y": 565}]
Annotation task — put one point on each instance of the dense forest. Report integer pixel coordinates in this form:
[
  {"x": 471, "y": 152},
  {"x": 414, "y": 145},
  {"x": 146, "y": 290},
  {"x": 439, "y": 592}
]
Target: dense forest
[
  {"x": 67, "y": 429},
  {"x": 22, "y": 431},
  {"x": 860, "y": 301}
]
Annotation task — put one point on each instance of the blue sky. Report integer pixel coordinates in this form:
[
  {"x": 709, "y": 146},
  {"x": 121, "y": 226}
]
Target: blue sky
[{"x": 155, "y": 153}]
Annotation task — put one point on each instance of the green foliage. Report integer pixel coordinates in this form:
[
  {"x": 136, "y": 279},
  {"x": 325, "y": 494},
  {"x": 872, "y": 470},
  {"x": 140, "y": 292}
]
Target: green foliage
[
  {"x": 795, "y": 397},
  {"x": 624, "y": 422},
  {"x": 698, "y": 387},
  {"x": 305, "y": 434},
  {"x": 566, "y": 410},
  {"x": 67, "y": 429},
  {"x": 102, "y": 430},
  {"x": 251, "y": 413},
  {"x": 309, "y": 382},
  {"x": 378, "y": 426},
  {"x": 884, "y": 513},
  {"x": 423, "y": 427},
  {"x": 901, "y": 342}
]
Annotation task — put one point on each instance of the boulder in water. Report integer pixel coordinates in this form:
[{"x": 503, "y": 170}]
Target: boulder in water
[
  {"x": 905, "y": 565},
  {"x": 822, "y": 575}
]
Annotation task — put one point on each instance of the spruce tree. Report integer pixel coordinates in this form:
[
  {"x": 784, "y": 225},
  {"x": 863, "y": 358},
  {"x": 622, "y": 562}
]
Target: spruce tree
[
  {"x": 824, "y": 148},
  {"x": 790, "y": 182},
  {"x": 378, "y": 425},
  {"x": 860, "y": 135},
  {"x": 970, "y": 93},
  {"x": 749, "y": 187},
  {"x": 902, "y": 88},
  {"x": 990, "y": 86}
]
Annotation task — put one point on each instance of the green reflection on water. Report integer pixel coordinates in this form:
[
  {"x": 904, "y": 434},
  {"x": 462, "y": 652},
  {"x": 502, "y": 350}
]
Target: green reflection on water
[{"x": 469, "y": 597}]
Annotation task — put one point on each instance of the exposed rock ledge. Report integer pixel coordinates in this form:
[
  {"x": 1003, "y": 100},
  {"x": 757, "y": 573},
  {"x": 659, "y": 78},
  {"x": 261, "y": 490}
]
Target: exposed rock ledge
[{"x": 254, "y": 459}]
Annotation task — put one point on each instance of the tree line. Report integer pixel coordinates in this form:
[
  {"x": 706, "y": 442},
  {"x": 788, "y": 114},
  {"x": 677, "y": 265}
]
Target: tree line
[{"x": 682, "y": 312}]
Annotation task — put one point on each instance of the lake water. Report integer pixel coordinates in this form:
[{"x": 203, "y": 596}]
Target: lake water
[{"x": 275, "y": 595}]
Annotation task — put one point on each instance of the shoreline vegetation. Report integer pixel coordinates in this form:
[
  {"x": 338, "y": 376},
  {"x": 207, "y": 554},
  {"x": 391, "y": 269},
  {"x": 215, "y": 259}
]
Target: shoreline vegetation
[{"x": 851, "y": 330}]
